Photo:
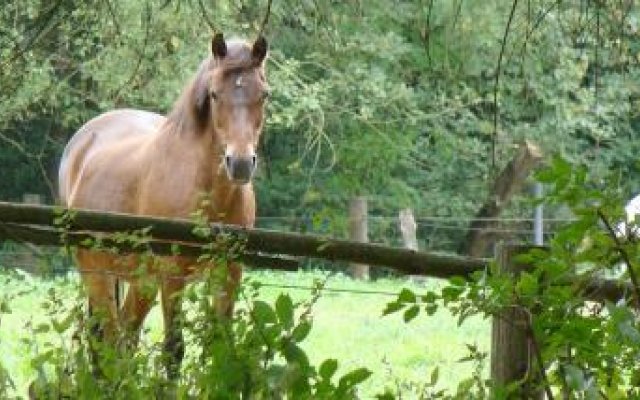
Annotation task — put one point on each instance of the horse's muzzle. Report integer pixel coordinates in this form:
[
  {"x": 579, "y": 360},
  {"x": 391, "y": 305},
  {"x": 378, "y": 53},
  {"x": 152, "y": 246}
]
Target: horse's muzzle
[{"x": 240, "y": 169}]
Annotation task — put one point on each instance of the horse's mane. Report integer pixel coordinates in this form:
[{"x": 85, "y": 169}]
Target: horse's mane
[{"x": 191, "y": 110}]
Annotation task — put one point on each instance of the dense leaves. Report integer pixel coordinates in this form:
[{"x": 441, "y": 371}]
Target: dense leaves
[
  {"x": 255, "y": 354},
  {"x": 407, "y": 107},
  {"x": 397, "y": 106},
  {"x": 587, "y": 347}
]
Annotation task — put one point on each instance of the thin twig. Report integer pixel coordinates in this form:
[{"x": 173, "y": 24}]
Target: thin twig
[
  {"x": 538, "y": 355},
  {"x": 497, "y": 83},
  {"x": 534, "y": 343},
  {"x": 14, "y": 143},
  {"x": 456, "y": 16},
  {"x": 566, "y": 392},
  {"x": 265, "y": 19},
  {"x": 143, "y": 51},
  {"x": 428, "y": 38},
  {"x": 205, "y": 16},
  {"x": 541, "y": 17},
  {"x": 596, "y": 69},
  {"x": 47, "y": 22},
  {"x": 114, "y": 19},
  {"x": 624, "y": 255},
  {"x": 43, "y": 172}
]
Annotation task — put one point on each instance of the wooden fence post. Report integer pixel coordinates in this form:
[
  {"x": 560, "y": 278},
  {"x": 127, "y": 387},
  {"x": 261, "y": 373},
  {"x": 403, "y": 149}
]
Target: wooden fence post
[
  {"x": 512, "y": 355},
  {"x": 359, "y": 232},
  {"x": 408, "y": 228}
]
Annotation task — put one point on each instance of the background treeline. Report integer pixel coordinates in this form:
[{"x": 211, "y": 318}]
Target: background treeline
[{"x": 391, "y": 99}]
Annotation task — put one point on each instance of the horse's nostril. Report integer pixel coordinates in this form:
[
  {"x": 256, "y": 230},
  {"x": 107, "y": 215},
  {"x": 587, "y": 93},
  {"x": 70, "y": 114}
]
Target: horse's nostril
[
  {"x": 227, "y": 161},
  {"x": 254, "y": 160}
]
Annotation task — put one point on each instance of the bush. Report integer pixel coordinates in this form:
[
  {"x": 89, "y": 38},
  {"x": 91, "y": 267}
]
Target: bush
[{"x": 256, "y": 354}]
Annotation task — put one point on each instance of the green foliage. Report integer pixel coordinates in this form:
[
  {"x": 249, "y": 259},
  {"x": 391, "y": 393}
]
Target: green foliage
[
  {"x": 6, "y": 384},
  {"x": 256, "y": 354},
  {"x": 346, "y": 327},
  {"x": 589, "y": 347},
  {"x": 397, "y": 106}
]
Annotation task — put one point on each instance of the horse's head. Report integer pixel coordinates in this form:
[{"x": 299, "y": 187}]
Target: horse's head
[{"x": 230, "y": 95}]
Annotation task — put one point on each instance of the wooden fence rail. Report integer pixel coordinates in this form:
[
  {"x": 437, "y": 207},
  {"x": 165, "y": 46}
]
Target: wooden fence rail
[{"x": 164, "y": 231}]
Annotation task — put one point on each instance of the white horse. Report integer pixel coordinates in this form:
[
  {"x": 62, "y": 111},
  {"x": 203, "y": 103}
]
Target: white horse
[{"x": 630, "y": 228}]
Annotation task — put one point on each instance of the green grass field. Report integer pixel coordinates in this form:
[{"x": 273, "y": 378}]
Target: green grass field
[{"x": 348, "y": 326}]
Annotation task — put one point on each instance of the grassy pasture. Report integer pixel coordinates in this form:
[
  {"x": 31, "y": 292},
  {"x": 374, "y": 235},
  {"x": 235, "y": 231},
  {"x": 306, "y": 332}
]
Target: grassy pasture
[{"x": 348, "y": 326}]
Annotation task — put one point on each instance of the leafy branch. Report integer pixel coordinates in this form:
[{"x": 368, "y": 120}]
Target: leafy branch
[{"x": 625, "y": 256}]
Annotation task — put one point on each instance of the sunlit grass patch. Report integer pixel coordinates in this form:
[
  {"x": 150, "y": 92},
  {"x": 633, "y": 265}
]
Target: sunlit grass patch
[{"x": 347, "y": 325}]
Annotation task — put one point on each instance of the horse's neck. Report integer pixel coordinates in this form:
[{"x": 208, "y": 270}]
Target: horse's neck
[{"x": 187, "y": 168}]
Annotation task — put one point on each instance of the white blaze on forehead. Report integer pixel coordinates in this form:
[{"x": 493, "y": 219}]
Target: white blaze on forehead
[{"x": 240, "y": 92}]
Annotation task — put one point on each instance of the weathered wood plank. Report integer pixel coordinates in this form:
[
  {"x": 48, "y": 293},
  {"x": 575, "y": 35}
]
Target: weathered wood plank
[
  {"x": 254, "y": 240},
  {"x": 479, "y": 237}
]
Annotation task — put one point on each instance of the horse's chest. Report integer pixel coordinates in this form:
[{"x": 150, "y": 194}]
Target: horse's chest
[{"x": 233, "y": 207}]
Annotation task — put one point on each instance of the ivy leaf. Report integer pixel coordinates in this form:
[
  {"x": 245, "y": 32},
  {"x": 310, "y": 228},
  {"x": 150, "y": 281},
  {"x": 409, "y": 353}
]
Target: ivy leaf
[
  {"x": 354, "y": 378},
  {"x": 263, "y": 312},
  {"x": 328, "y": 368},
  {"x": 301, "y": 331},
  {"x": 451, "y": 293},
  {"x": 429, "y": 297},
  {"x": 62, "y": 326},
  {"x": 406, "y": 296},
  {"x": 411, "y": 313},
  {"x": 457, "y": 281},
  {"x": 435, "y": 374},
  {"x": 527, "y": 284},
  {"x": 42, "y": 328},
  {"x": 284, "y": 309},
  {"x": 392, "y": 308},
  {"x": 575, "y": 377},
  {"x": 295, "y": 355}
]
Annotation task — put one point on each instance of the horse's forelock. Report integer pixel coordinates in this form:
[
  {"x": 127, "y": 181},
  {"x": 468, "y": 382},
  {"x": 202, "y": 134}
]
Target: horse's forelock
[{"x": 237, "y": 59}]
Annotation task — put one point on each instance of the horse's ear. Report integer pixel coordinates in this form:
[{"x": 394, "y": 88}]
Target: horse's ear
[
  {"x": 218, "y": 46},
  {"x": 259, "y": 49}
]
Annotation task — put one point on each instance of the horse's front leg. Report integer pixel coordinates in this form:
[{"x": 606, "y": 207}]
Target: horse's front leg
[
  {"x": 173, "y": 346},
  {"x": 103, "y": 312},
  {"x": 137, "y": 305},
  {"x": 100, "y": 286},
  {"x": 226, "y": 297}
]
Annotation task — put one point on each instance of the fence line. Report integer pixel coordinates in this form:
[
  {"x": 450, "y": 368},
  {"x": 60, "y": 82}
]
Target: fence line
[
  {"x": 420, "y": 218},
  {"x": 194, "y": 277},
  {"x": 19, "y": 219},
  {"x": 330, "y": 289}
]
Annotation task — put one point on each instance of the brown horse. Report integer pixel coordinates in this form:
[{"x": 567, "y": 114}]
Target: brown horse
[{"x": 139, "y": 162}]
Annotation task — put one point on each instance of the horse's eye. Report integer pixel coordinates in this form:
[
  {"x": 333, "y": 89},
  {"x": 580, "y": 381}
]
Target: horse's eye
[{"x": 214, "y": 96}]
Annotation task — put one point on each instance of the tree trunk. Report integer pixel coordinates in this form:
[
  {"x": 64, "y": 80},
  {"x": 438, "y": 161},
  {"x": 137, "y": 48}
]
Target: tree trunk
[{"x": 479, "y": 237}]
